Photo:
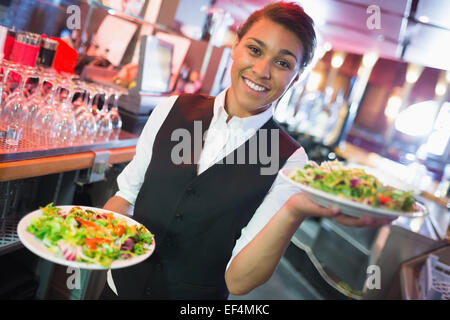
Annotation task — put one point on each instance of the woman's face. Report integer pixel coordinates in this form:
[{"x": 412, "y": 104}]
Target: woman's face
[{"x": 266, "y": 61}]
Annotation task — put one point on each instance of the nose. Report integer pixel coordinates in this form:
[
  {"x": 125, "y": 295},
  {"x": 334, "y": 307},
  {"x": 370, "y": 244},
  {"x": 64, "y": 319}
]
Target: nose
[{"x": 262, "y": 68}]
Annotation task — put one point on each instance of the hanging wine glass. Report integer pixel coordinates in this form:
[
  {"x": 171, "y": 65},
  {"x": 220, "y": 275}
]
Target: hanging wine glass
[
  {"x": 65, "y": 128},
  {"x": 79, "y": 97},
  {"x": 14, "y": 114},
  {"x": 19, "y": 91},
  {"x": 85, "y": 119},
  {"x": 6, "y": 66},
  {"x": 103, "y": 119},
  {"x": 44, "y": 123},
  {"x": 36, "y": 98},
  {"x": 116, "y": 120}
]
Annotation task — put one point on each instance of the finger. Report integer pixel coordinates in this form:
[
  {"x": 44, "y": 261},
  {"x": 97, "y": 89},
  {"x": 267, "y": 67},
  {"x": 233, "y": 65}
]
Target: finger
[
  {"x": 382, "y": 222},
  {"x": 301, "y": 204},
  {"x": 350, "y": 221},
  {"x": 368, "y": 222}
]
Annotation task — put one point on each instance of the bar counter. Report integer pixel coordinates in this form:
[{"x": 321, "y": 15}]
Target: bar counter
[
  {"x": 29, "y": 159},
  {"x": 32, "y": 176},
  {"x": 42, "y": 166}
]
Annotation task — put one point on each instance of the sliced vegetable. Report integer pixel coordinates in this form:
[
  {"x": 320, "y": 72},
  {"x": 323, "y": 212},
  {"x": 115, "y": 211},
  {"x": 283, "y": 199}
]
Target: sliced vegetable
[
  {"x": 354, "y": 184},
  {"x": 88, "y": 236}
]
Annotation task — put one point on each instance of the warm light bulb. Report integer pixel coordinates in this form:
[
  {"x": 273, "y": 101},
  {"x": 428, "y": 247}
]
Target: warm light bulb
[
  {"x": 440, "y": 89},
  {"x": 393, "y": 107},
  {"x": 413, "y": 73},
  {"x": 370, "y": 58},
  {"x": 360, "y": 71},
  {"x": 411, "y": 77},
  {"x": 337, "y": 60}
]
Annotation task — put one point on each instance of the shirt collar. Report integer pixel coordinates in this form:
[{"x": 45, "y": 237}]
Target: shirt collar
[{"x": 253, "y": 122}]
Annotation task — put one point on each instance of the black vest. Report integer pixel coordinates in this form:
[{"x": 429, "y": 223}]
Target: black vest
[{"x": 196, "y": 219}]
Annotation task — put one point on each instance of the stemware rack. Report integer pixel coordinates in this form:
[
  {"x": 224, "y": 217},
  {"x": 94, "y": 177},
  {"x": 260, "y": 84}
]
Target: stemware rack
[{"x": 30, "y": 149}]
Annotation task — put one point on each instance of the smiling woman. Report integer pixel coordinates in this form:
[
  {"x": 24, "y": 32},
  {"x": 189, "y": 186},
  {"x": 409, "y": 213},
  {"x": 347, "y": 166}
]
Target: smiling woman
[{"x": 222, "y": 225}]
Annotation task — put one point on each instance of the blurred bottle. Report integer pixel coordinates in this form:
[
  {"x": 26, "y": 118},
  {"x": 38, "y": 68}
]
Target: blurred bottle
[
  {"x": 321, "y": 114},
  {"x": 443, "y": 189},
  {"x": 338, "y": 113},
  {"x": 9, "y": 42},
  {"x": 302, "y": 119},
  {"x": 25, "y": 49},
  {"x": 3, "y": 35},
  {"x": 47, "y": 52}
]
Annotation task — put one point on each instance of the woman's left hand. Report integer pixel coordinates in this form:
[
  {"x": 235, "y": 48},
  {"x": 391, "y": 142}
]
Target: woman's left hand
[
  {"x": 350, "y": 221},
  {"x": 300, "y": 204}
]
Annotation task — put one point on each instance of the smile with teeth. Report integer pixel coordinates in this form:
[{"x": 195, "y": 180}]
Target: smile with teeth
[{"x": 254, "y": 86}]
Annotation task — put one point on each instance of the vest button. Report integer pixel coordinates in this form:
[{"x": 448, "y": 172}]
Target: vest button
[
  {"x": 190, "y": 191},
  {"x": 179, "y": 217},
  {"x": 148, "y": 291},
  {"x": 158, "y": 268}
]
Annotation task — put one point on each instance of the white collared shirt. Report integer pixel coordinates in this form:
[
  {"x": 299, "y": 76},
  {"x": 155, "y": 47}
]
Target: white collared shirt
[{"x": 221, "y": 139}]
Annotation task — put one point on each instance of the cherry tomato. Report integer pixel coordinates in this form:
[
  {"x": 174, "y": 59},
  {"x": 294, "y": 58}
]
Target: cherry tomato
[
  {"x": 383, "y": 199},
  {"x": 91, "y": 243},
  {"x": 119, "y": 230}
]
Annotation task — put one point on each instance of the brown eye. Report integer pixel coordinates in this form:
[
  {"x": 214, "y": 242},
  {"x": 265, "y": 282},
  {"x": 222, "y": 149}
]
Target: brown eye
[
  {"x": 283, "y": 64},
  {"x": 254, "y": 50}
]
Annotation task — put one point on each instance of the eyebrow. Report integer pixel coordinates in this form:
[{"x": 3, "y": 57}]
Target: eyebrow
[{"x": 282, "y": 51}]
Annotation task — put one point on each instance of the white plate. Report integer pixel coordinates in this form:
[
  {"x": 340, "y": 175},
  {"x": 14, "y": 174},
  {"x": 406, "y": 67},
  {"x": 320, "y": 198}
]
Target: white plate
[
  {"x": 31, "y": 242},
  {"x": 350, "y": 207}
]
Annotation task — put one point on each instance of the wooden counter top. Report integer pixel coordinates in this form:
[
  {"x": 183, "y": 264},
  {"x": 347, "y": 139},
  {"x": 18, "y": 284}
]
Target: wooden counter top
[{"x": 43, "y": 166}]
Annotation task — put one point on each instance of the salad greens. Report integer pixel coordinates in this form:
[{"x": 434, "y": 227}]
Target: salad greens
[
  {"x": 354, "y": 184},
  {"x": 89, "y": 236}
]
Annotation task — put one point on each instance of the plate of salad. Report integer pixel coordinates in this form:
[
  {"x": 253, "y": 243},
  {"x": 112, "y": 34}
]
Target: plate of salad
[
  {"x": 353, "y": 191},
  {"x": 85, "y": 237}
]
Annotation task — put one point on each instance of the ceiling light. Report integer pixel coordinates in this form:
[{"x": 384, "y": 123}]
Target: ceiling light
[
  {"x": 440, "y": 89},
  {"x": 393, "y": 107},
  {"x": 370, "y": 58},
  {"x": 413, "y": 72},
  {"x": 338, "y": 59}
]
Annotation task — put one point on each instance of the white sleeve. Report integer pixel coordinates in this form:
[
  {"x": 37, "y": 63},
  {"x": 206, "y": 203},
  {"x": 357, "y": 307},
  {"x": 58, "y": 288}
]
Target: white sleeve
[
  {"x": 277, "y": 196},
  {"x": 131, "y": 178}
]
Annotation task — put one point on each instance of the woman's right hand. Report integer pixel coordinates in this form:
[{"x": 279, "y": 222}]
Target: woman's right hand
[{"x": 119, "y": 205}]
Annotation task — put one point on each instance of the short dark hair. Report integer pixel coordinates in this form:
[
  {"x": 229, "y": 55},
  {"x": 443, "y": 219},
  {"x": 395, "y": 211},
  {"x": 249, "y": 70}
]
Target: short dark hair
[{"x": 291, "y": 16}]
